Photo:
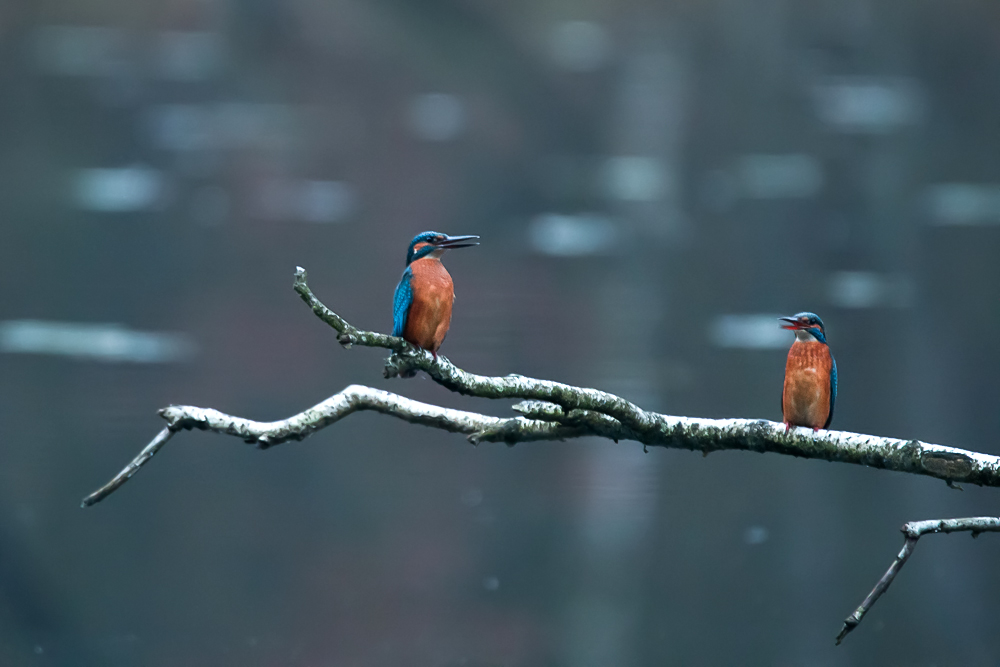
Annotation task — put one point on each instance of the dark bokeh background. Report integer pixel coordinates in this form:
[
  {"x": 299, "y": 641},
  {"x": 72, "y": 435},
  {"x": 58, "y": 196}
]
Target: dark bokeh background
[{"x": 653, "y": 182}]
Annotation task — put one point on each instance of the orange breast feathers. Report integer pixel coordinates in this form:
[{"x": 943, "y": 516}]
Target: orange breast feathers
[
  {"x": 433, "y": 296},
  {"x": 805, "y": 400}
]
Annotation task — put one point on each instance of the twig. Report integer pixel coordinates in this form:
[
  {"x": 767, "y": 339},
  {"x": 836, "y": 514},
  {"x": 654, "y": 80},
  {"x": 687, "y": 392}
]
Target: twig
[
  {"x": 348, "y": 335},
  {"x": 131, "y": 469},
  {"x": 912, "y": 532}
]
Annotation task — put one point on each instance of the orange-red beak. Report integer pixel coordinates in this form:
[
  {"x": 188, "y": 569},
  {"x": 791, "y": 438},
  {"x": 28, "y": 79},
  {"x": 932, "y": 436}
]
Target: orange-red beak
[{"x": 793, "y": 324}]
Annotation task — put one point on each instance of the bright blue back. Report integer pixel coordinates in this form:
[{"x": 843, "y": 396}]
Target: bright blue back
[
  {"x": 401, "y": 301},
  {"x": 833, "y": 390}
]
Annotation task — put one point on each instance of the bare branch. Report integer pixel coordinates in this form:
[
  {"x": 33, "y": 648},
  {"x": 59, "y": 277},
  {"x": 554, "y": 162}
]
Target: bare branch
[
  {"x": 347, "y": 335},
  {"x": 478, "y": 428},
  {"x": 547, "y": 421},
  {"x": 554, "y": 411},
  {"x": 913, "y": 531},
  {"x": 129, "y": 470},
  {"x": 408, "y": 359},
  {"x": 583, "y": 406}
]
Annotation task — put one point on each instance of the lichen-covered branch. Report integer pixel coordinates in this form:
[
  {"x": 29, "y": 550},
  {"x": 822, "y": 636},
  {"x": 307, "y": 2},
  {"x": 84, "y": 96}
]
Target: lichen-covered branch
[
  {"x": 555, "y": 411},
  {"x": 548, "y": 421},
  {"x": 408, "y": 359},
  {"x": 583, "y": 406},
  {"x": 478, "y": 428},
  {"x": 912, "y": 532},
  {"x": 347, "y": 335}
]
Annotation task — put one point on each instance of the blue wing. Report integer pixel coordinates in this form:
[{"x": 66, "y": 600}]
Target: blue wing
[
  {"x": 401, "y": 303},
  {"x": 833, "y": 390}
]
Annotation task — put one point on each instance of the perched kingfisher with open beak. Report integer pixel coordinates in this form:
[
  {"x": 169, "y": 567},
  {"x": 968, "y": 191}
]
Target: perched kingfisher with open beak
[
  {"x": 421, "y": 308},
  {"x": 810, "y": 375}
]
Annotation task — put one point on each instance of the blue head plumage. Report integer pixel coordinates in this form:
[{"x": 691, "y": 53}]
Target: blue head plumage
[
  {"x": 808, "y": 322},
  {"x": 432, "y": 241}
]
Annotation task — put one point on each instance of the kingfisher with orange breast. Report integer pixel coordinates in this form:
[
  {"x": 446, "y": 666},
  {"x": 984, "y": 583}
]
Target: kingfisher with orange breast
[
  {"x": 421, "y": 308},
  {"x": 810, "y": 375}
]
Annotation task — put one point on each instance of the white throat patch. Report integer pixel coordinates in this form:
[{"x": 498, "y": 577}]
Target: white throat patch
[{"x": 804, "y": 336}]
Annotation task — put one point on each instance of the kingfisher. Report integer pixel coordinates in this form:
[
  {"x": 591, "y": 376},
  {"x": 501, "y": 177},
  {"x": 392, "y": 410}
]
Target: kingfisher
[
  {"x": 421, "y": 307},
  {"x": 810, "y": 375}
]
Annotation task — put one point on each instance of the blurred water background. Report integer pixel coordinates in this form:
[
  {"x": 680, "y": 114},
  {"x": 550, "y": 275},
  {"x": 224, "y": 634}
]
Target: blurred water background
[{"x": 654, "y": 182}]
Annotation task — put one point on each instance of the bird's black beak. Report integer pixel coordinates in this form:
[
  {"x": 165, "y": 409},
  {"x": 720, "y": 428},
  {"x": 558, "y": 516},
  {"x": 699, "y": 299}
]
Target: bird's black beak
[
  {"x": 451, "y": 242},
  {"x": 793, "y": 324}
]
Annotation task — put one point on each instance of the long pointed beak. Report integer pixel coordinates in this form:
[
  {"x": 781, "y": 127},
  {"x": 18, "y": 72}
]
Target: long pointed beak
[
  {"x": 451, "y": 242},
  {"x": 793, "y": 324}
]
